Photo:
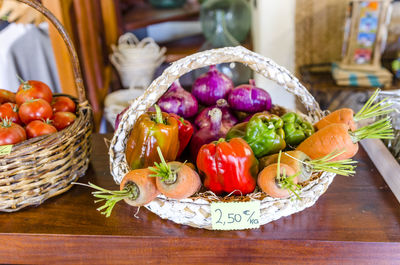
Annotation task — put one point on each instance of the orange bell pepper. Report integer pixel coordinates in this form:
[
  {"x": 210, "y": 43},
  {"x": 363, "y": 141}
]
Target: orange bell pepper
[{"x": 152, "y": 129}]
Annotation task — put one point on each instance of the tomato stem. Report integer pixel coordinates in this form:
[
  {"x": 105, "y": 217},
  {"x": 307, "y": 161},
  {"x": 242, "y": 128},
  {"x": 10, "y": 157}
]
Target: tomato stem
[
  {"x": 15, "y": 108},
  {"x": 5, "y": 123},
  {"x": 48, "y": 121},
  {"x": 25, "y": 84}
]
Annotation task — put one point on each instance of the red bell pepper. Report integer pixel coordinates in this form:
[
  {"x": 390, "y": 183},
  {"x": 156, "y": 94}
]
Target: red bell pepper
[
  {"x": 185, "y": 132},
  {"x": 228, "y": 166}
]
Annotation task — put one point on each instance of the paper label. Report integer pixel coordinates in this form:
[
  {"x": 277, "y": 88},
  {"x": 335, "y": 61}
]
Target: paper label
[
  {"x": 5, "y": 149},
  {"x": 235, "y": 215}
]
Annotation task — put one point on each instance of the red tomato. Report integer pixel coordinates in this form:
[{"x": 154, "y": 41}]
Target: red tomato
[
  {"x": 6, "y": 96},
  {"x": 32, "y": 90},
  {"x": 10, "y": 111},
  {"x": 11, "y": 133},
  {"x": 62, "y": 120},
  {"x": 38, "y": 128},
  {"x": 35, "y": 109},
  {"x": 63, "y": 104}
]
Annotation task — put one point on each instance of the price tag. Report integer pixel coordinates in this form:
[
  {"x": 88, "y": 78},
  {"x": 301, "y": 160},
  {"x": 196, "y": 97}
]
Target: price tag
[
  {"x": 235, "y": 215},
  {"x": 5, "y": 149}
]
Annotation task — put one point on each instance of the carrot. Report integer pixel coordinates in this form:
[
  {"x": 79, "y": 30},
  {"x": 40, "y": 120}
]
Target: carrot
[
  {"x": 305, "y": 166},
  {"x": 287, "y": 159},
  {"x": 137, "y": 188},
  {"x": 191, "y": 165},
  {"x": 278, "y": 180},
  {"x": 337, "y": 136},
  {"x": 175, "y": 179},
  {"x": 343, "y": 115},
  {"x": 346, "y": 115}
]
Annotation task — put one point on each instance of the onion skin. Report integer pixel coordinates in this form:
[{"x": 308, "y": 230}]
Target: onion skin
[
  {"x": 119, "y": 116},
  {"x": 207, "y": 134},
  {"x": 179, "y": 101},
  {"x": 249, "y": 98},
  {"x": 211, "y": 86},
  {"x": 228, "y": 119}
]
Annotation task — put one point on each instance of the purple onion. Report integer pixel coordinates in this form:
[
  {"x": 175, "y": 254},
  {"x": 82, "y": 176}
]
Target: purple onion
[
  {"x": 207, "y": 134},
  {"x": 119, "y": 116},
  {"x": 211, "y": 86},
  {"x": 228, "y": 119},
  {"x": 249, "y": 98},
  {"x": 179, "y": 101}
]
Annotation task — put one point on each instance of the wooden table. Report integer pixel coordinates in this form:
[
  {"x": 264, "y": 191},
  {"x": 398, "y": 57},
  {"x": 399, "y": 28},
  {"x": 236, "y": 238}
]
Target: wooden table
[{"x": 356, "y": 221}]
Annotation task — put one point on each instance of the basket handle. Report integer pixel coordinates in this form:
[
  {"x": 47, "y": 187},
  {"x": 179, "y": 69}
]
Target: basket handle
[
  {"x": 158, "y": 87},
  {"x": 72, "y": 52}
]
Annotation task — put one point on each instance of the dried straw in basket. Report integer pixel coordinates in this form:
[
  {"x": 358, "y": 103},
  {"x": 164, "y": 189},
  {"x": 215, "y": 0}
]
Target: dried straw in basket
[
  {"x": 195, "y": 211},
  {"x": 43, "y": 167}
]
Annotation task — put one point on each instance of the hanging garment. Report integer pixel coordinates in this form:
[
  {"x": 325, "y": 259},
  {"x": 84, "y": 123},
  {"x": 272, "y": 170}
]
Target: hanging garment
[
  {"x": 3, "y": 24},
  {"x": 26, "y": 51}
]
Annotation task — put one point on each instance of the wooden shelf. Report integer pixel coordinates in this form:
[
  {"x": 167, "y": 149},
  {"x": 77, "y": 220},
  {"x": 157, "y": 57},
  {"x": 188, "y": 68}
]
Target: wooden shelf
[
  {"x": 180, "y": 48},
  {"x": 143, "y": 14}
]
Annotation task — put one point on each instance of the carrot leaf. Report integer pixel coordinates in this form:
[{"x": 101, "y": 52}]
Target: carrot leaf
[
  {"x": 370, "y": 110},
  {"x": 162, "y": 170},
  {"x": 111, "y": 197},
  {"x": 287, "y": 182},
  {"x": 343, "y": 167},
  {"x": 381, "y": 129}
]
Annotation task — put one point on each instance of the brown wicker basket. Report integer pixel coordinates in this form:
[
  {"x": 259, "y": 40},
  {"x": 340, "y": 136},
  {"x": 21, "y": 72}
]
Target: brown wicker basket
[{"x": 43, "y": 167}]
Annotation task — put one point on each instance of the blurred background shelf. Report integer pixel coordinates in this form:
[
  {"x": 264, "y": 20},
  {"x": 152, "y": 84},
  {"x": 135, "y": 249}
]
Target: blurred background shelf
[
  {"x": 180, "y": 48},
  {"x": 142, "y": 14}
]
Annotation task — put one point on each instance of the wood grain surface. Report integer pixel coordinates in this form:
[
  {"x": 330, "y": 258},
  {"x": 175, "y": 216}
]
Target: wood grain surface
[{"x": 356, "y": 221}]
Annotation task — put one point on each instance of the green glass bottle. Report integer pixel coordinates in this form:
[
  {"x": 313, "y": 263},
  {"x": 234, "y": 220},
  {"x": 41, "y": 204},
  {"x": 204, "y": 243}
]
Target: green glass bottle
[
  {"x": 167, "y": 3},
  {"x": 235, "y": 13},
  {"x": 226, "y": 23}
]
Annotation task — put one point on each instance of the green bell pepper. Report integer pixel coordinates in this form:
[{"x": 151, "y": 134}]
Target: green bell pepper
[
  {"x": 263, "y": 132},
  {"x": 237, "y": 131},
  {"x": 296, "y": 129}
]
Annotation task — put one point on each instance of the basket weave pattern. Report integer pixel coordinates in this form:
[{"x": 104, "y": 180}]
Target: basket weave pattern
[
  {"x": 43, "y": 167},
  {"x": 196, "y": 211}
]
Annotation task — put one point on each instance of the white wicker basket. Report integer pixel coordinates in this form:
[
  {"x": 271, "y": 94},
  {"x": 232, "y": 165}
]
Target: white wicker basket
[{"x": 196, "y": 211}]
